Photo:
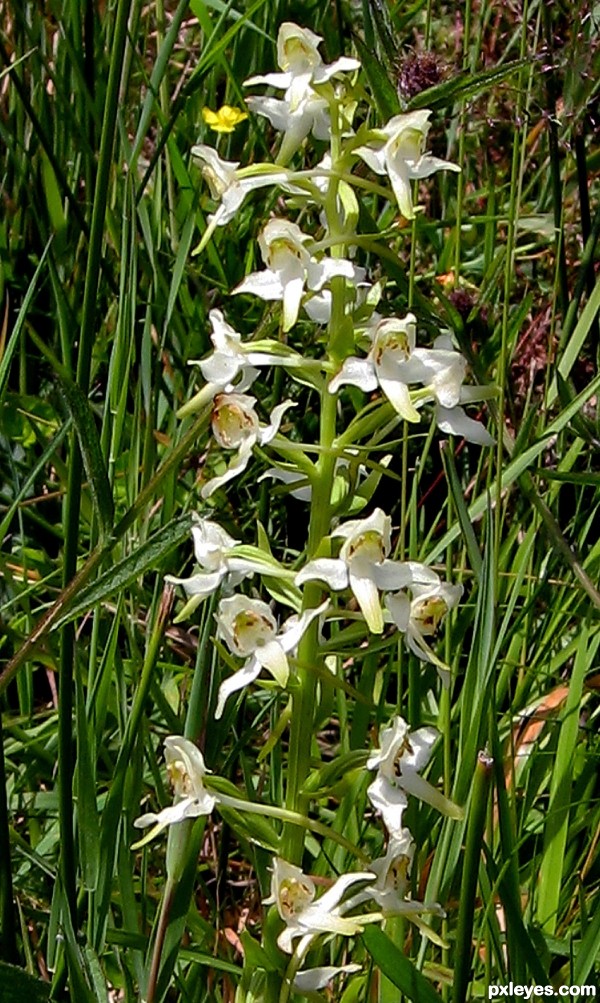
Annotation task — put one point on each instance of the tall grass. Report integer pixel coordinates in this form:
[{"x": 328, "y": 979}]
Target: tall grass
[{"x": 103, "y": 306}]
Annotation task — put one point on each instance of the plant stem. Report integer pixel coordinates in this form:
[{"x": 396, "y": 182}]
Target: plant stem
[
  {"x": 468, "y": 887},
  {"x": 303, "y": 697}
]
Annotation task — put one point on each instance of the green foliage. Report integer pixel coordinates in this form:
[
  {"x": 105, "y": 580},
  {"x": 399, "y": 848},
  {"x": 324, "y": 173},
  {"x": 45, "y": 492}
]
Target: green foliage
[{"x": 104, "y": 306}]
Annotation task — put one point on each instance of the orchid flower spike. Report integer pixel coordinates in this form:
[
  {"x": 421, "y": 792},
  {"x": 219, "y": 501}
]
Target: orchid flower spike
[
  {"x": 397, "y": 150},
  {"x": 290, "y": 269},
  {"x": 186, "y": 769},
  {"x": 363, "y": 565},
  {"x": 250, "y": 631},
  {"x": 235, "y": 425},
  {"x": 293, "y": 892},
  {"x": 398, "y": 761}
]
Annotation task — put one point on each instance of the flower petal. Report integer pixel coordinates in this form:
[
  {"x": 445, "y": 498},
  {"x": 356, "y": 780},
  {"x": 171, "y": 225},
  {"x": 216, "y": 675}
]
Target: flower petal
[
  {"x": 278, "y": 80},
  {"x": 398, "y": 395},
  {"x": 324, "y": 569},
  {"x": 454, "y": 421},
  {"x": 413, "y": 784},
  {"x": 357, "y": 373},
  {"x": 390, "y": 801},
  {"x": 237, "y": 466},
  {"x": 268, "y": 432},
  {"x": 272, "y": 657},
  {"x": 427, "y": 165},
  {"x": 266, "y": 284},
  {"x": 243, "y": 677},
  {"x": 312, "y": 979},
  {"x": 294, "y": 628},
  {"x": 374, "y": 158},
  {"x": 367, "y": 596},
  {"x": 200, "y": 584}
]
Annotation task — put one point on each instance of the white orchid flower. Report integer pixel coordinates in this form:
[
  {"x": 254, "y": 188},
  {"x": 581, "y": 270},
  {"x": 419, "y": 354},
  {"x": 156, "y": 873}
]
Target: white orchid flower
[
  {"x": 363, "y": 566},
  {"x": 250, "y": 631},
  {"x": 290, "y": 268},
  {"x": 419, "y": 618},
  {"x": 398, "y": 761},
  {"x": 215, "y": 553},
  {"x": 387, "y": 364},
  {"x": 392, "y": 884},
  {"x": 293, "y": 892},
  {"x": 311, "y": 115},
  {"x": 394, "y": 363},
  {"x": 232, "y": 356},
  {"x": 397, "y": 151},
  {"x": 235, "y": 425},
  {"x": 299, "y": 59},
  {"x": 186, "y": 770},
  {"x": 391, "y": 887},
  {"x": 229, "y": 185},
  {"x": 392, "y": 870}
]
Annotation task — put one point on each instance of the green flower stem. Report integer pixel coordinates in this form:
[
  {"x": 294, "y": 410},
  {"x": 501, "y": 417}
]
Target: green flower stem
[
  {"x": 303, "y": 696},
  {"x": 293, "y": 818}
]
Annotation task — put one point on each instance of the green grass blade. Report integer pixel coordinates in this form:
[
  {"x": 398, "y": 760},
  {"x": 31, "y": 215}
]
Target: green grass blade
[
  {"x": 146, "y": 558},
  {"x": 557, "y": 822},
  {"x": 91, "y": 452},
  {"x": 396, "y": 967}
]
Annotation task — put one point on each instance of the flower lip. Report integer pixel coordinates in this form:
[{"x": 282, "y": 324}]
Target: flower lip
[
  {"x": 293, "y": 892},
  {"x": 234, "y": 420}
]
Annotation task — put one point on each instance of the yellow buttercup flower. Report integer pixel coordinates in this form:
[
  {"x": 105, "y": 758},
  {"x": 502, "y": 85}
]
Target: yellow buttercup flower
[{"x": 225, "y": 119}]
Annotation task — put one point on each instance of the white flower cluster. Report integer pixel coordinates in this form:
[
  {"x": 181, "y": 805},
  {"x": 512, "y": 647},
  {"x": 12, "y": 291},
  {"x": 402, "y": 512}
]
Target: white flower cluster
[{"x": 354, "y": 555}]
